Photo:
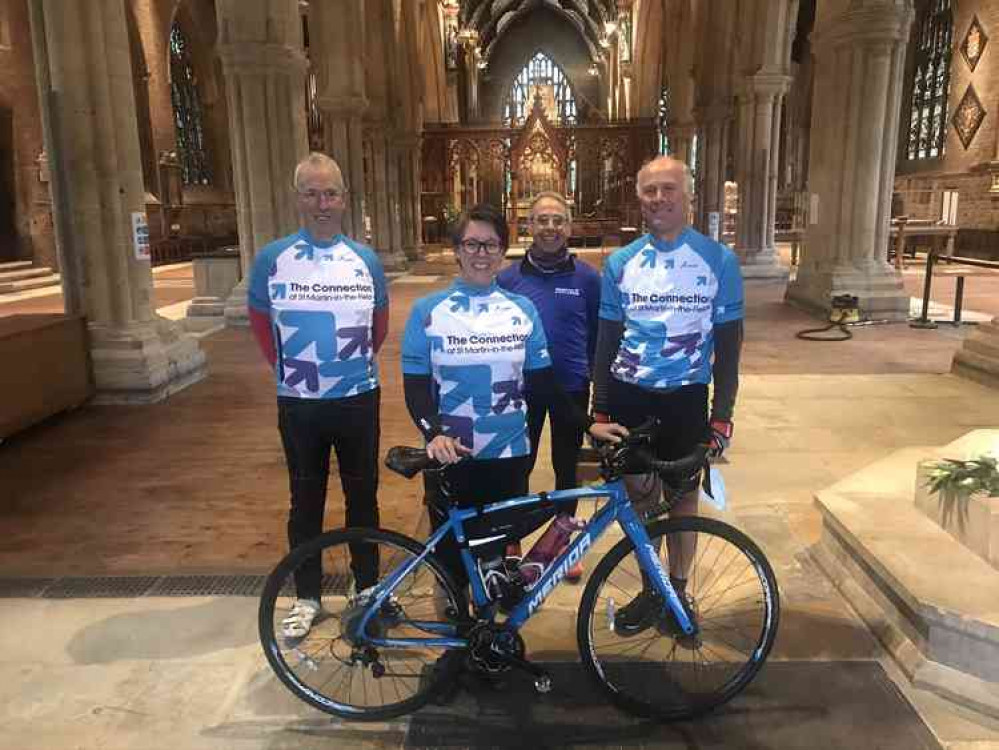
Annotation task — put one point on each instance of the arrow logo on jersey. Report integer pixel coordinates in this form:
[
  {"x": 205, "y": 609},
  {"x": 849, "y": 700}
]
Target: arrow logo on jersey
[
  {"x": 279, "y": 291},
  {"x": 649, "y": 257},
  {"x": 516, "y": 320},
  {"x": 358, "y": 272},
  {"x": 312, "y": 327},
  {"x": 686, "y": 343},
  {"x": 509, "y": 393},
  {"x": 702, "y": 281},
  {"x": 302, "y": 370},
  {"x": 305, "y": 251},
  {"x": 357, "y": 341},
  {"x": 471, "y": 383},
  {"x": 626, "y": 364},
  {"x": 461, "y": 303},
  {"x": 483, "y": 307}
]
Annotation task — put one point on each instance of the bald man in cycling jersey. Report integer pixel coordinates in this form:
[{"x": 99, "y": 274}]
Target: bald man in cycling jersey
[{"x": 671, "y": 312}]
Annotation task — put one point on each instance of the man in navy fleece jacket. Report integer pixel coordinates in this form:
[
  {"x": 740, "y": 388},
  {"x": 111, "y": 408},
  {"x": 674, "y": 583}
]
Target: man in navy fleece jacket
[{"x": 566, "y": 292}]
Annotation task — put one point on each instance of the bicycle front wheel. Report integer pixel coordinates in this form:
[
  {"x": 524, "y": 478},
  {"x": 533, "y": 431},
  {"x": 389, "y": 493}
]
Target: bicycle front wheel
[
  {"x": 646, "y": 664},
  {"x": 333, "y": 667}
]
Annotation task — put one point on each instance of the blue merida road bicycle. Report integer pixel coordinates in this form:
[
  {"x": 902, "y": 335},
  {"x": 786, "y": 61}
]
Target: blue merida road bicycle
[{"x": 657, "y": 652}]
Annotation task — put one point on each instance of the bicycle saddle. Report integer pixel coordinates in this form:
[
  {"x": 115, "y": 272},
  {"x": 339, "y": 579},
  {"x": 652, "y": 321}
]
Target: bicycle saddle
[{"x": 408, "y": 461}]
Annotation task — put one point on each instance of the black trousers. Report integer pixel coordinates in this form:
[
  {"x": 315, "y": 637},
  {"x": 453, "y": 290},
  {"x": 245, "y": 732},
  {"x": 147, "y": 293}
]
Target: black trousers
[
  {"x": 479, "y": 482},
  {"x": 567, "y": 439},
  {"x": 310, "y": 429}
]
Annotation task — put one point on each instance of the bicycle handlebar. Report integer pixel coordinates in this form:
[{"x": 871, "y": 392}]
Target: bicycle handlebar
[{"x": 614, "y": 457}]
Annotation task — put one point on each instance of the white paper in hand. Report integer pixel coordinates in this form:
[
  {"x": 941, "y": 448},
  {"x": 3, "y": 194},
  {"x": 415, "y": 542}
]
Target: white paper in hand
[{"x": 717, "y": 497}]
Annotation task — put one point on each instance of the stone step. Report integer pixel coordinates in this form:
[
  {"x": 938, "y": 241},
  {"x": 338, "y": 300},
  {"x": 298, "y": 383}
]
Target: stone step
[
  {"x": 930, "y": 600},
  {"x": 23, "y": 273},
  {"x": 24, "y": 285},
  {"x": 14, "y": 265}
]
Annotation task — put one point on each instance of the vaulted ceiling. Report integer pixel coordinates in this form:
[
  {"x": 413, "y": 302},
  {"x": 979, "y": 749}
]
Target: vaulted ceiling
[{"x": 490, "y": 18}]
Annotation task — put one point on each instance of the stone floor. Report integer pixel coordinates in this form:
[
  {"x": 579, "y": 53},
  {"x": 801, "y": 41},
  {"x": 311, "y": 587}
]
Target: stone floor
[{"x": 197, "y": 485}]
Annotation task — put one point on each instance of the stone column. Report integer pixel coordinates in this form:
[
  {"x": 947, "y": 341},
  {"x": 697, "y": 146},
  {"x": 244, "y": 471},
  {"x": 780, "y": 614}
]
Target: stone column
[
  {"x": 337, "y": 29},
  {"x": 681, "y": 140},
  {"x": 408, "y": 150},
  {"x": 759, "y": 125},
  {"x": 91, "y": 137},
  {"x": 860, "y": 53},
  {"x": 714, "y": 160},
  {"x": 260, "y": 46},
  {"x": 383, "y": 190}
]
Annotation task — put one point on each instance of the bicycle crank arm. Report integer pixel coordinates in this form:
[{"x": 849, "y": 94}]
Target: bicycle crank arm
[{"x": 542, "y": 678}]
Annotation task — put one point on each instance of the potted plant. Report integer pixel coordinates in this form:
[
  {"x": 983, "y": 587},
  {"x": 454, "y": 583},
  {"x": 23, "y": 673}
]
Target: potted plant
[
  {"x": 966, "y": 501},
  {"x": 953, "y": 478}
]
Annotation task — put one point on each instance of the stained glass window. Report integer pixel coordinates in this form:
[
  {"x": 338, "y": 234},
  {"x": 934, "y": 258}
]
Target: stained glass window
[
  {"x": 663, "y": 120},
  {"x": 931, "y": 79},
  {"x": 541, "y": 76},
  {"x": 187, "y": 116}
]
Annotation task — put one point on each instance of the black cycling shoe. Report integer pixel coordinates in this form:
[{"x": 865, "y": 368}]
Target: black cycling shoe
[{"x": 639, "y": 614}]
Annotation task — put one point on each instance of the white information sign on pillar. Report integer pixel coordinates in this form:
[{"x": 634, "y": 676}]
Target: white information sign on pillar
[
  {"x": 714, "y": 225},
  {"x": 140, "y": 235}
]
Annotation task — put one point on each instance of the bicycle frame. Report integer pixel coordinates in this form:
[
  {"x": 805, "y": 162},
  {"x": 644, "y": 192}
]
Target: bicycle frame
[{"x": 618, "y": 509}]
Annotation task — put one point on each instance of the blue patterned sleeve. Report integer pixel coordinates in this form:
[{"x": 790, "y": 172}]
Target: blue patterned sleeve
[
  {"x": 258, "y": 294},
  {"x": 415, "y": 342},
  {"x": 610, "y": 292},
  {"x": 729, "y": 303},
  {"x": 377, "y": 271}
]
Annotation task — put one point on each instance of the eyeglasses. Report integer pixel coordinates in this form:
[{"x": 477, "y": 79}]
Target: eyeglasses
[
  {"x": 474, "y": 247},
  {"x": 314, "y": 196},
  {"x": 546, "y": 220}
]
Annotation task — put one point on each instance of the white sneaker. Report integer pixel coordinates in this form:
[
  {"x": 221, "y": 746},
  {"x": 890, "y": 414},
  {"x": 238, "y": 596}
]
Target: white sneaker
[{"x": 299, "y": 621}]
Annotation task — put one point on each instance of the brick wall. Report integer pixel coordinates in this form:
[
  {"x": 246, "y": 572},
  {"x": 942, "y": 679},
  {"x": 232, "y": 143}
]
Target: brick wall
[
  {"x": 921, "y": 183},
  {"x": 32, "y": 235}
]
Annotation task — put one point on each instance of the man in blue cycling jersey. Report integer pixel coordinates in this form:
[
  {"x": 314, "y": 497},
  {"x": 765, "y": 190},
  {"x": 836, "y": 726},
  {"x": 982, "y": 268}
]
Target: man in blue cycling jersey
[
  {"x": 671, "y": 312},
  {"x": 319, "y": 311}
]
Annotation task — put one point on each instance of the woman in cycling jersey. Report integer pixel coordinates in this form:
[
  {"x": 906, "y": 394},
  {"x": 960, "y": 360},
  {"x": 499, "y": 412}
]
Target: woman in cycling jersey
[{"x": 467, "y": 353}]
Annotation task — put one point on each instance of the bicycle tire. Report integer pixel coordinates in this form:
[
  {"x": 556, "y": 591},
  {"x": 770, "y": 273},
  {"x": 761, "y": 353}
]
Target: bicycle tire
[
  {"x": 302, "y": 664},
  {"x": 743, "y": 589}
]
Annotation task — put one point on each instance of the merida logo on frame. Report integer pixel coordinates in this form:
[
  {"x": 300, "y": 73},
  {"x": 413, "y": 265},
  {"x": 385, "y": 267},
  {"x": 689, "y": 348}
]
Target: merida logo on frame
[{"x": 559, "y": 573}]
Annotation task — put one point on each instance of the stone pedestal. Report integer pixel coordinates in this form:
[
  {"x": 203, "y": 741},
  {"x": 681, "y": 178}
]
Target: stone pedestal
[
  {"x": 216, "y": 274},
  {"x": 91, "y": 137},
  {"x": 860, "y": 55},
  {"x": 978, "y": 357},
  {"x": 144, "y": 362},
  {"x": 261, "y": 52}
]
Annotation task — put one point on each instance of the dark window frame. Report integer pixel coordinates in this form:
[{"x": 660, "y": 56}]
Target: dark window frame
[
  {"x": 926, "y": 134},
  {"x": 188, "y": 114}
]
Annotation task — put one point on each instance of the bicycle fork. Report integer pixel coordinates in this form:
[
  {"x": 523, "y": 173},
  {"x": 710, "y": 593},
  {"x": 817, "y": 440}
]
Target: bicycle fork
[{"x": 650, "y": 564}]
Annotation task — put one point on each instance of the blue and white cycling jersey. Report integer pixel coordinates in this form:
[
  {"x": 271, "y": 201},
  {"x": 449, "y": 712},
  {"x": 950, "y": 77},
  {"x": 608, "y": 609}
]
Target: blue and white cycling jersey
[
  {"x": 670, "y": 296},
  {"x": 321, "y": 299},
  {"x": 476, "y": 342}
]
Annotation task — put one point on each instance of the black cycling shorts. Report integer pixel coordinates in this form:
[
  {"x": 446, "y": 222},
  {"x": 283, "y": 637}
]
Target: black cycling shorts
[{"x": 682, "y": 412}]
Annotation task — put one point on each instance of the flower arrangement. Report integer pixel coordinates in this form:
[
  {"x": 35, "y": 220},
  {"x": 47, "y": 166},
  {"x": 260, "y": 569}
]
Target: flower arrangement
[{"x": 952, "y": 477}]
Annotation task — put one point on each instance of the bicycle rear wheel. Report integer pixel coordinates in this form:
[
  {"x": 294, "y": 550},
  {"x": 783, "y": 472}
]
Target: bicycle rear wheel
[
  {"x": 332, "y": 667},
  {"x": 654, "y": 670}
]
